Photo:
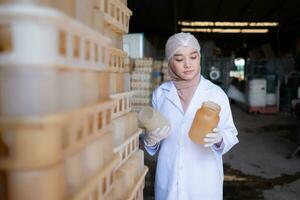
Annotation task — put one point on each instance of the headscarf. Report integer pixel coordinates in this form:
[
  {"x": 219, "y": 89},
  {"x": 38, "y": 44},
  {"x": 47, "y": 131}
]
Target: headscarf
[{"x": 185, "y": 89}]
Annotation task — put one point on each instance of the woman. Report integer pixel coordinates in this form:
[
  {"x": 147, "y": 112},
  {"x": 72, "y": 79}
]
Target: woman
[{"x": 186, "y": 170}]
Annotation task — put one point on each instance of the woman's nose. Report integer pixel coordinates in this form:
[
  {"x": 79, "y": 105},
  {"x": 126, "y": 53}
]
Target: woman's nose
[{"x": 188, "y": 63}]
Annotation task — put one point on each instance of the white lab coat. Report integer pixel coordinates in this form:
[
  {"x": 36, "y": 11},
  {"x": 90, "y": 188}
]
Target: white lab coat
[{"x": 186, "y": 170}]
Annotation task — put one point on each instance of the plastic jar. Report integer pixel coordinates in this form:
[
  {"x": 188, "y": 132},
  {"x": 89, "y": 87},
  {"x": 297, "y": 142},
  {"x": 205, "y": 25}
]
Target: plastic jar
[
  {"x": 151, "y": 119},
  {"x": 206, "y": 119}
]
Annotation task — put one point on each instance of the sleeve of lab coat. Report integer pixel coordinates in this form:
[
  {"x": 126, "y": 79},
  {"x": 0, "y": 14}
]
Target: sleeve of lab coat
[
  {"x": 227, "y": 128},
  {"x": 152, "y": 150}
]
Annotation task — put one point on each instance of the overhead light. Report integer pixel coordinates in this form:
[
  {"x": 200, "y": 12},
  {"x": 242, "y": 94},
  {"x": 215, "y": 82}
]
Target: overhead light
[
  {"x": 240, "y": 24},
  {"x": 186, "y": 23},
  {"x": 227, "y": 24},
  {"x": 224, "y": 30},
  {"x": 263, "y": 24},
  {"x": 204, "y": 30},
  {"x": 254, "y": 30}
]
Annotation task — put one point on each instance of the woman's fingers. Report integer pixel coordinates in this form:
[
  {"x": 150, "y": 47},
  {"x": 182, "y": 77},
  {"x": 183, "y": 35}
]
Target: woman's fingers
[
  {"x": 215, "y": 130},
  {"x": 208, "y": 144},
  {"x": 211, "y": 135},
  {"x": 165, "y": 132},
  {"x": 208, "y": 140}
]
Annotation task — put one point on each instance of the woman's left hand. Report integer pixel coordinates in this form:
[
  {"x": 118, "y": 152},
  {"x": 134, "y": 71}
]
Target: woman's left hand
[{"x": 213, "y": 138}]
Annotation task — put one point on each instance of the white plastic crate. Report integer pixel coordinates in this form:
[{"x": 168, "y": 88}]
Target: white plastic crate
[
  {"x": 122, "y": 103},
  {"x": 127, "y": 81},
  {"x": 63, "y": 180},
  {"x": 43, "y": 184},
  {"x": 129, "y": 179},
  {"x": 52, "y": 137},
  {"x": 116, "y": 60},
  {"x": 116, "y": 15},
  {"x": 99, "y": 186},
  {"x": 137, "y": 191},
  {"x": 116, "y": 83},
  {"x": 84, "y": 11},
  {"x": 124, "y": 127},
  {"x": 66, "y": 6},
  {"x": 85, "y": 164},
  {"x": 32, "y": 91},
  {"x": 128, "y": 64},
  {"x": 97, "y": 154},
  {"x": 127, "y": 148},
  {"x": 69, "y": 43},
  {"x": 116, "y": 38},
  {"x": 74, "y": 173},
  {"x": 90, "y": 84},
  {"x": 27, "y": 91}
]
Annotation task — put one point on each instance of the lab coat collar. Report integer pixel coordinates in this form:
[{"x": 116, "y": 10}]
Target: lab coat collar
[
  {"x": 174, "y": 98},
  {"x": 172, "y": 95}
]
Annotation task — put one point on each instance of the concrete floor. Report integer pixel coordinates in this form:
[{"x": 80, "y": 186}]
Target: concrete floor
[
  {"x": 261, "y": 156},
  {"x": 256, "y": 168}
]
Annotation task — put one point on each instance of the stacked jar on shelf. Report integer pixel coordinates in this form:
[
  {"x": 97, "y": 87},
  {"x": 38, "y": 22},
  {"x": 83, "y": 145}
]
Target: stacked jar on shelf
[
  {"x": 165, "y": 73},
  {"x": 64, "y": 94},
  {"x": 157, "y": 73},
  {"x": 141, "y": 83}
]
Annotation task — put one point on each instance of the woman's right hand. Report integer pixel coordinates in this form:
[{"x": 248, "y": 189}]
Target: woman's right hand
[{"x": 153, "y": 137}]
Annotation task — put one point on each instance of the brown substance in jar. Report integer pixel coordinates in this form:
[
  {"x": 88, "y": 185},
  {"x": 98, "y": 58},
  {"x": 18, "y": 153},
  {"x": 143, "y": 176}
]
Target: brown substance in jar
[{"x": 206, "y": 119}]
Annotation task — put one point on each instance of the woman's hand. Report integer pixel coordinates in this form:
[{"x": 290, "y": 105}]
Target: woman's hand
[
  {"x": 213, "y": 138},
  {"x": 153, "y": 137}
]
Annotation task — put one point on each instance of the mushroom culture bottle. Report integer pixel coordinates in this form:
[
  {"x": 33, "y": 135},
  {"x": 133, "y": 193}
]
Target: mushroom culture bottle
[{"x": 206, "y": 119}]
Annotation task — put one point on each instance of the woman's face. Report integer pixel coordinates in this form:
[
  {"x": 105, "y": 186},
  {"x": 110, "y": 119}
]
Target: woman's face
[{"x": 186, "y": 63}]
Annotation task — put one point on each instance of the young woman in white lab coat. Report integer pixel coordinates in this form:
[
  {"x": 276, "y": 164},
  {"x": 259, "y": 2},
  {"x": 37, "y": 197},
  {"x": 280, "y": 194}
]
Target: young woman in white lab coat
[{"x": 186, "y": 170}]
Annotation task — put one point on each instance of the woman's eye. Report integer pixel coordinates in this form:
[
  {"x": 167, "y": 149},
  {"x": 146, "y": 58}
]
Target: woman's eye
[
  {"x": 193, "y": 57},
  {"x": 178, "y": 59}
]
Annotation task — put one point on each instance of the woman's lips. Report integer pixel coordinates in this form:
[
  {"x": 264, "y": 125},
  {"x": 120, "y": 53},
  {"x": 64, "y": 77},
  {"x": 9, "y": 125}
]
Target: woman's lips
[{"x": 188, "y": 71}]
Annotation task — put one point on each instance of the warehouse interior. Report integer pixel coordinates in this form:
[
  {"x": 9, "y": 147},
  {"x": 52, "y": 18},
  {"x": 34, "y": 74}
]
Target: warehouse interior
[
  {"x": 265, "y": 163},
  {"x": 76, "y": 76}
]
